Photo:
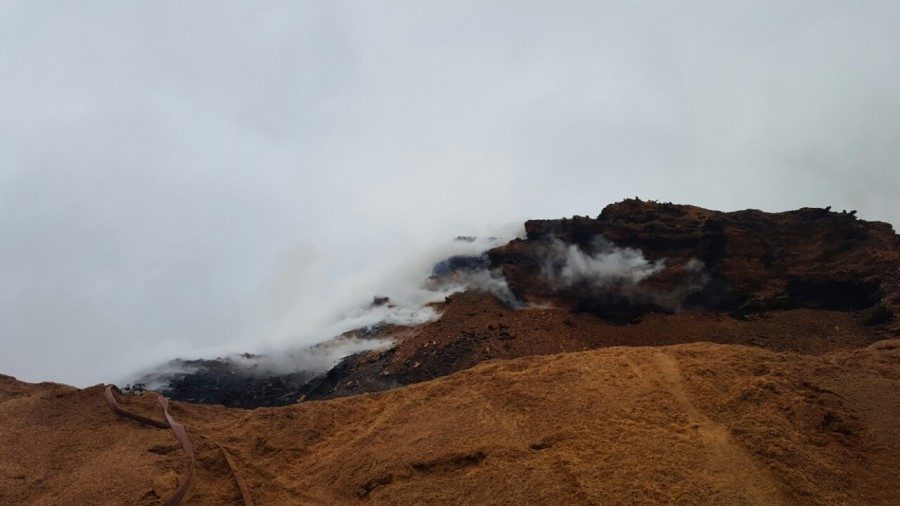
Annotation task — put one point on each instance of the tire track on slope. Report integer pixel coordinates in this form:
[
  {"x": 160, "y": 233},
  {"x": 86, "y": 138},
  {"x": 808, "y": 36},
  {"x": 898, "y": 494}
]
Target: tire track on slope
[{"x": 728, "y": 459}]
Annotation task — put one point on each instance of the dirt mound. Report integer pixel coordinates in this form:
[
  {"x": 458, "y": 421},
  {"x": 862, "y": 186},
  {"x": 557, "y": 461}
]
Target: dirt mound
[
  {"x": 751, "y": 261},
  {"x": 640, "y": 274},
  {"x": 574, "y": 384},
  {"x": 475, "y": 327},
  {"x": 689, "y": 424}
]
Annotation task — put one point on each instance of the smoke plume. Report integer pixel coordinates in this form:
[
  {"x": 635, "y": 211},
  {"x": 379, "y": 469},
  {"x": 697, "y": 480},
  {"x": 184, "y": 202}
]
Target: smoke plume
[
  {"x": 312, "y": 331},
  {"x": 605, "y": 266},
  {"x": 607, "y": 274}
]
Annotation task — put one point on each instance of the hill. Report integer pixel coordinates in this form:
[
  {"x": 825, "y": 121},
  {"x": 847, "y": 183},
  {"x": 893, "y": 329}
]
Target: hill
[
  {"x": 657, "y": 353},
  {"x": 688, "y": 424}
]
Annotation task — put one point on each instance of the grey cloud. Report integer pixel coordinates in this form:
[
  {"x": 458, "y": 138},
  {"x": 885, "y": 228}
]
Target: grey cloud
[{"x": 158, "y": 158}]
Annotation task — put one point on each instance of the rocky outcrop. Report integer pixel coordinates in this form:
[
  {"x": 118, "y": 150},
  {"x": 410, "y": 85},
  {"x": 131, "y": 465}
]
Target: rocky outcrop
[{"x": 753, "y": 261}]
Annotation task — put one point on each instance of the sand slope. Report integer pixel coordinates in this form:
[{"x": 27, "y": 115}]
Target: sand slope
[
  {"x": 691, "y": 424},
  {"x": 475, "y": 327}
]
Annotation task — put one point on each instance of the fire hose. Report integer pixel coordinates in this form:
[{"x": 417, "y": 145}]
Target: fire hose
[{"x": 109, "y": 394}]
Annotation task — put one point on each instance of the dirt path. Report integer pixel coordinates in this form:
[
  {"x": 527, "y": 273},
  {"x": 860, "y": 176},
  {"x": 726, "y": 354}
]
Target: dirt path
[{"x": 727, "y": 459}]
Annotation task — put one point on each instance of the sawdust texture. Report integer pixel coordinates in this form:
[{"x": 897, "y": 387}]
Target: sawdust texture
[{"x": 694, "y": 423}]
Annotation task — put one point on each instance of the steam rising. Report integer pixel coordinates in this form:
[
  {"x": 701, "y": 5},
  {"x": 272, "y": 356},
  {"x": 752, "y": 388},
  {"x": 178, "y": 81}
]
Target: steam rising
[
  {"x": 309, "y": 361},
  {"x": 605, "y": 266},
  {"x": 158, "y": 157},
  {"x": 493, "y": 282},
  {"x": 607, "y": 269},
  {"x": 315, "y": 343},
  {"x": 473, "y": 272}
]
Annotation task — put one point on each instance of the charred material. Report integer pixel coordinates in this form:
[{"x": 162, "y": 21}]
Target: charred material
[
  {"x": 222, "y": 381},
  {"x": 806, "y": 281},
  {"x": 460, "y": 263},
  {"x": 755, "y": 261}
]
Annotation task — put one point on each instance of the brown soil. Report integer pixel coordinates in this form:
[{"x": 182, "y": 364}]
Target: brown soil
[
  {"x": 808, "y": 280},
  {"x": 475, "y": 327},
  {"x": 696, "y": 423},
  {"x": 756, "y": 261}
]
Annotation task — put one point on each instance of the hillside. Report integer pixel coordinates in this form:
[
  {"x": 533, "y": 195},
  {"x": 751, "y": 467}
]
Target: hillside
[
  {"x": 656, "y": 353},
  {"x": 809, "y": 281},
  {"x": 689, "y": 424}
]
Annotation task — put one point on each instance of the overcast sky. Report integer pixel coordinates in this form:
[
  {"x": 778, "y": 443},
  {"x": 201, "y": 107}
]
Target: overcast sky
[{"x": 176, "y": 176}]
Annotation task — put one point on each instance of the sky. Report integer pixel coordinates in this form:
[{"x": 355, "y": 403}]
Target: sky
[{"x": 183, "y": 178}]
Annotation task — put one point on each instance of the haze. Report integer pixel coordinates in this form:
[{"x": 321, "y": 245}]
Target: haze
[{"x": 190, "y": 178}]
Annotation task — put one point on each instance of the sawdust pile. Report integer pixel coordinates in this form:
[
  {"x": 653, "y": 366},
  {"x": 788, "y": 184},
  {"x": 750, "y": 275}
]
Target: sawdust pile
[{"x": 690, "y": 423}]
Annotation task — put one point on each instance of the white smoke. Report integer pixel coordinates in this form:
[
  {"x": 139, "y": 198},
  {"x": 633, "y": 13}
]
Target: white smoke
[
  {"x": 310, "y": 305},
  {"x": 695, "y": 279},
  {"x": 493, "y": 282},
  {"x": 320, "y": 358},
  {"x": 314, "y": 321},
  {"x": 150, "y": 174},
  {"x": 605, "y": 266},
  {"x": 312, "y": 361}
]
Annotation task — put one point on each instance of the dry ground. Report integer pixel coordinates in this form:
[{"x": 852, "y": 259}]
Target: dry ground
[{"x": 690, "y": 424}]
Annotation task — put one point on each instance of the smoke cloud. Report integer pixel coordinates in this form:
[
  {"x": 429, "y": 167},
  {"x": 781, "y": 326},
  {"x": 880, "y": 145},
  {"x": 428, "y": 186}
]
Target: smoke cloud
[
  {"x": 605, "y": 266},
  {"x": 310, "y": 335},
  {"x": 309, "y": 362},
  {"x": 609, "y": 270},
  {"x": 474, "y": 272},
  {"x": 191, "y": 179}
]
